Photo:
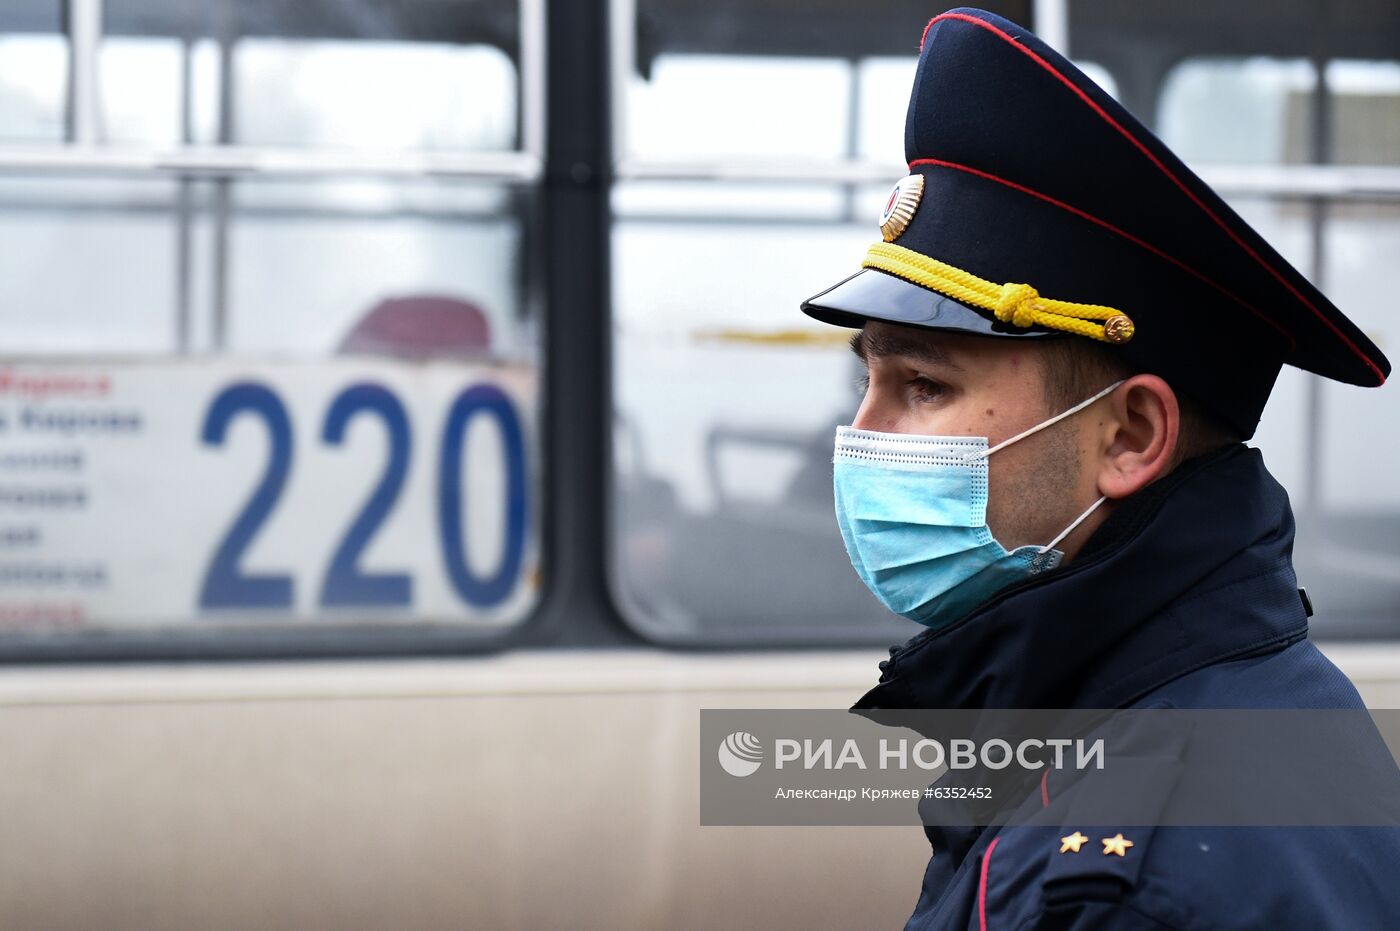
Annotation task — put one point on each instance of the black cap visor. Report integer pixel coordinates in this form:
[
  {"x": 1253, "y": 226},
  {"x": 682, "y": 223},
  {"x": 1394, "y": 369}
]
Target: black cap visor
[{"x": 870, "y": 294}]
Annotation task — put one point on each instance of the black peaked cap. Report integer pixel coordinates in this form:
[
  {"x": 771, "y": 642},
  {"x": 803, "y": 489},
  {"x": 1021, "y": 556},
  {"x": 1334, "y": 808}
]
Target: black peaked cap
[{"x": 1033, "y": 174}]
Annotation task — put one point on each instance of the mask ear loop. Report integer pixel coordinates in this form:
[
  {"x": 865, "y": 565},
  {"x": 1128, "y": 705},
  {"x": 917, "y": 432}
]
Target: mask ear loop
[
  {"x": 1045, "y": 423},
  {"x": 1077, "y": 521},
  {"x": 1041, "y": 426}
]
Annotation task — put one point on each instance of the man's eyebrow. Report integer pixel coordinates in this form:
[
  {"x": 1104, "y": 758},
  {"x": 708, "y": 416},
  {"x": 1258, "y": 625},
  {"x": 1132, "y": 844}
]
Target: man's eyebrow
[{"x": 869, "y": 345}]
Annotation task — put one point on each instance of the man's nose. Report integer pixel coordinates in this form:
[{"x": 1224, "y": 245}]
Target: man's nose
[{"x": 879, "y": 412}]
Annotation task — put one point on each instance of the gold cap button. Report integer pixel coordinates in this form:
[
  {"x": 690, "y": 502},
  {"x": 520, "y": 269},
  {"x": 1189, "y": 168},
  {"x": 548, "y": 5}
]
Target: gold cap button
[{"x": 1118, "y": 329}]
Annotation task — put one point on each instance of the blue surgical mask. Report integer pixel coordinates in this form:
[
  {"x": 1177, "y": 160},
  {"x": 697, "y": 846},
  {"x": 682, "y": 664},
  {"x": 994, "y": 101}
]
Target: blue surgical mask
[{"x": 913, "y": 513}]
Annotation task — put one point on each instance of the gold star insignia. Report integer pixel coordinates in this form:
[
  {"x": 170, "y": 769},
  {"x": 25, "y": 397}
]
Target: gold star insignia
[
  {"x": 1116, "y": 844},
  {"x": 1072, "y": 843}
]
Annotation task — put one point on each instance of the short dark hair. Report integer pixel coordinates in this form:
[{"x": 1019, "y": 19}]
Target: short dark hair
[{"x": 1074, "y": 369}]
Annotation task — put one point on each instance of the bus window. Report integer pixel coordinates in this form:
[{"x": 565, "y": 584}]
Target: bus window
[
  {"x": 726, "y": 405},
  {"x": 1365, "y": 122},
  {"x": 307, "y": 261},
  {"x": 1319, "y": 437},
  {"x": 1251, "y": 111},
  {"x": 373, "y": 95},
  {"x": 33, "y": 78},
  {"x": 89, "y": 265},
  {"x": 142, "y": 93},
  {"x": 723, "y": 486},
  {"x": 882, "y": 88},
  {"x": 1359, "y": 264},
  {"x": 271, "y": 361},
  {"x": 703, "y": 106}
]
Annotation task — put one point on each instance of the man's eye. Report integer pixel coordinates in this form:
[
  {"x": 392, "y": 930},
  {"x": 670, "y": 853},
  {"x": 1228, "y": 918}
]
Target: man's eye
[
  {"x": 926, "y": 389},
  {"x": 863, "y": 383}
]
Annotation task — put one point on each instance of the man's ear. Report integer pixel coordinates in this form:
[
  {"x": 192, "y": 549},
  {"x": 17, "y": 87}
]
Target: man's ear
[{"x": 1137, "y": 435}]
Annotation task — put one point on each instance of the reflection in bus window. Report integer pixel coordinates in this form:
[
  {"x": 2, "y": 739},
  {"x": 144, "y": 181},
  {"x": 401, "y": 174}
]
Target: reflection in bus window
[
  {"x": 1262, "y": 111},
  {"x": 33, "y": 83},
  {"x": 89, "y": 265},
  {"x": 143, "y": 91},
  {"x": 726, "y": 402},
  {"x": 1357, "y": 460},
  {"x": 304, "y": 262},
  {"x": 699, "y": 106},
  {"x": 373, "y": 95},
  {"x": 1351, "y": 544},
  {"x": 360, "y": 94},
  {"x": 1240, "y": 111},
  {"x": 308, "y": 261},
  {"x": 1365, "y": 112}
]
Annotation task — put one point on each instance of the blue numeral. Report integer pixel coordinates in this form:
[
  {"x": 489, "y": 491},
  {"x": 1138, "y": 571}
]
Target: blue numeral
[
  {"x": 345, "y": 584},
  {"x": 489, "y": 401},
  {"x": 224, "y": 586}
]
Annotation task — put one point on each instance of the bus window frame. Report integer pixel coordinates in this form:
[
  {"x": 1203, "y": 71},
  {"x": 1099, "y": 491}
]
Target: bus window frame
[{"x": 573, "y": 152}]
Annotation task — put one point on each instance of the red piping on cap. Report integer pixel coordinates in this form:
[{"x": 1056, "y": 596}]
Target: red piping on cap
[
  {"x": 1137, "y": 143},
  {"x": 1292, "y": 343}
]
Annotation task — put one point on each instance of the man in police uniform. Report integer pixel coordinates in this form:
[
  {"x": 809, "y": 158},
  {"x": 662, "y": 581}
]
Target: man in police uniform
[{"x": 1069, "y": 337}]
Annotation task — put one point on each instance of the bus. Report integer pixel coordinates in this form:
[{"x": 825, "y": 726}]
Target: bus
[{"x": 407, "y": 427}]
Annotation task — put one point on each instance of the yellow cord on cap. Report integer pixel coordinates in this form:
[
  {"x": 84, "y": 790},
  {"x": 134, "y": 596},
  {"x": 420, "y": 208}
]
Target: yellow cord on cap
[{"x": 1017, "y": 304}]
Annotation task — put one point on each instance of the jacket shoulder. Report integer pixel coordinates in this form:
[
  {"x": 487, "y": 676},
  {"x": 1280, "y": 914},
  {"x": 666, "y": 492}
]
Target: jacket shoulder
[
  {"x": 1298, "y": 676},
  {"x": 1192, "y": 878}
]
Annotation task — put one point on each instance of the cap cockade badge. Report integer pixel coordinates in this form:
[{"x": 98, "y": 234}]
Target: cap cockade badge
[{"x": 899, "y": 209}]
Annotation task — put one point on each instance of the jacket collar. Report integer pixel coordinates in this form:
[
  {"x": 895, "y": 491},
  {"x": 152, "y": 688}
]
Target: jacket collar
[{"x": 1194, "y": 569}]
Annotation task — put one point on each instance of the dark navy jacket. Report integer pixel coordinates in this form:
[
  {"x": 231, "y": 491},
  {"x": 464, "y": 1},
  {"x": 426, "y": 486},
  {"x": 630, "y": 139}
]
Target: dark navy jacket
[{"x": 1184, "y": 597}]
